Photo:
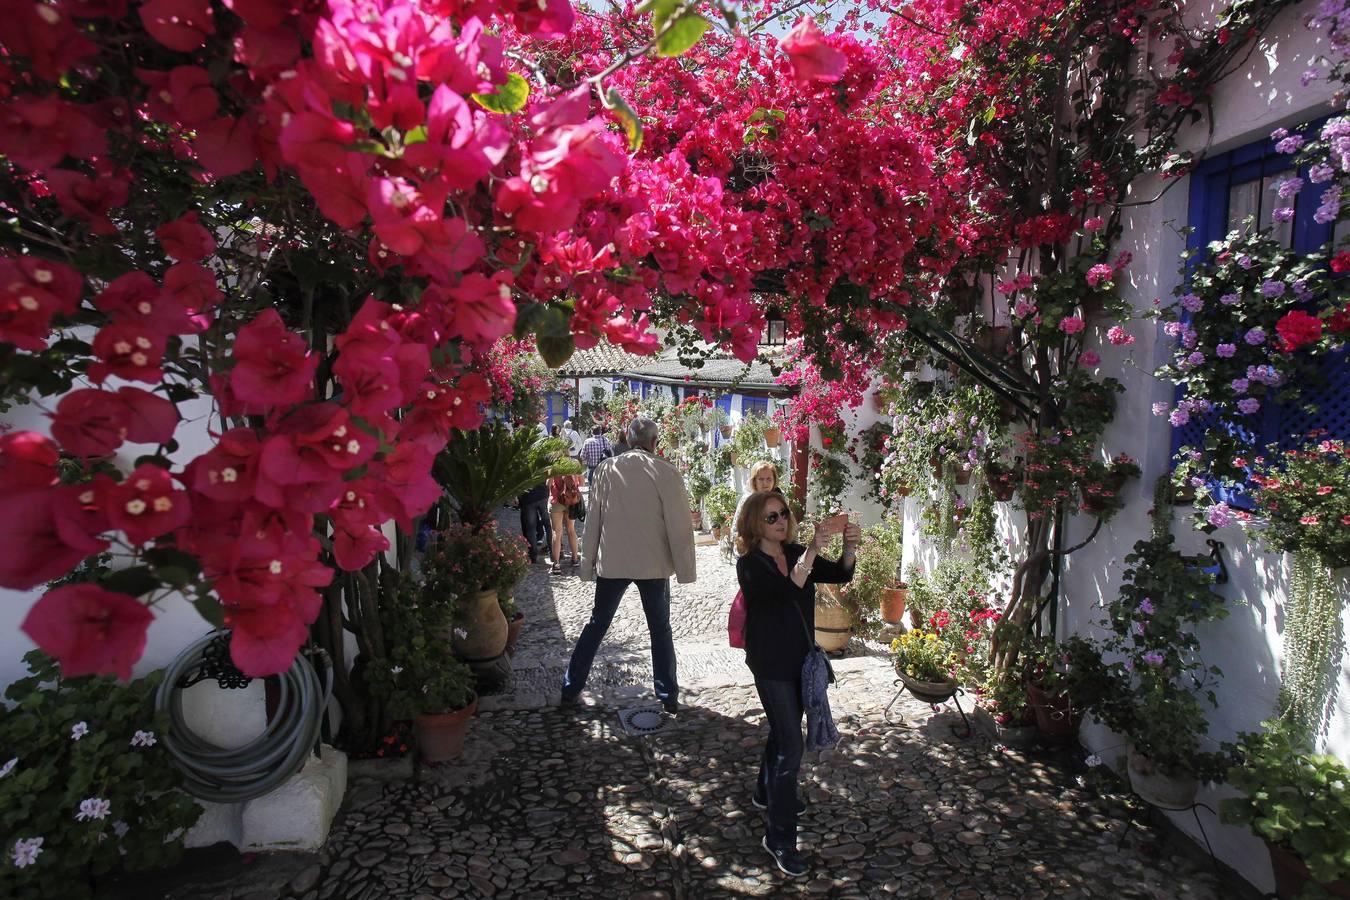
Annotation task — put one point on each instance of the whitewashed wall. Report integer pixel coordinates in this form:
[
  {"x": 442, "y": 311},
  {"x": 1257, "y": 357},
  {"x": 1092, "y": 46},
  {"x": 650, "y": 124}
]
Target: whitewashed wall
[{"x": 1264, "y": 94}]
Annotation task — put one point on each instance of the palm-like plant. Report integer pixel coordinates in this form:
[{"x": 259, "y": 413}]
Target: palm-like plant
[{"x": 482, "y": 469}]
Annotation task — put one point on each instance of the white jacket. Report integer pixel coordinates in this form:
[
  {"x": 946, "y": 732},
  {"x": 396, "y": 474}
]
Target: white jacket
[{"x": 637, "y": 521}]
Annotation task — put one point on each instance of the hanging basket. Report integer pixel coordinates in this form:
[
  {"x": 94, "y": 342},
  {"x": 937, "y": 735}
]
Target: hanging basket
[
  {"x": 772, "y": 436},
  {"x": 928, "y": 691},
  {"x": 726, "y": 430}
]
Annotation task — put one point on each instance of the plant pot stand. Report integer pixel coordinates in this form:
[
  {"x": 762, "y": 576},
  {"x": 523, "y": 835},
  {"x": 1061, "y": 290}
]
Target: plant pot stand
[
  {"x": 1193, "y": 809},
  {"x": 934, "y": 698}
]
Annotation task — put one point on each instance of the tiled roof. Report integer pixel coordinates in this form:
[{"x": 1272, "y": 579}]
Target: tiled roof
[
  {"x": 714, "y": 373},
  {"x": 602, "y": 359}
]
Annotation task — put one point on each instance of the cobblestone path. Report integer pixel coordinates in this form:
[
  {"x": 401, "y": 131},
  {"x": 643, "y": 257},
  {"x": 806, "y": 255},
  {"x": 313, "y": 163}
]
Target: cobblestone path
[{"x": 550, "y": 804}]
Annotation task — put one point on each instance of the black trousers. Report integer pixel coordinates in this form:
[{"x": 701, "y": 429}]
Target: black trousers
[
  {"x": 782, "y": 701},
  {"x": 534, "y": 525}
]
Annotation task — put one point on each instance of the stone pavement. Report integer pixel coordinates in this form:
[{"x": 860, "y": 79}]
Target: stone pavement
[{"x": 546, "y": 803}]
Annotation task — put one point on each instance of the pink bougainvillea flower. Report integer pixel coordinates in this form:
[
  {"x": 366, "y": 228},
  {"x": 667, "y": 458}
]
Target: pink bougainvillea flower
[
  {"x": 316, "y": 140},
  {"x": 193, "y": 287},
  {"x": 94, "y": 422},
  {"x": 38, "y": 132},
  {"x": 354, "y": 546},
  {"x": 31, "y": 292},
  {"x": 229, "y": 470},
  {"x": 539, "y": 17},
  {"x": 88, "y": 199},
  {"x": 137, "y": 299},
  {"x": 482, "y": 309},
  {"x": 226, "y": 146},
  {"x": 273, "y": 366},
  {"x": 182, "y": 25},
  {"x": 27, "y": 461},
  {"x": 46, "y": 533},
  {"x": 89, "y": 630},
  {"x": 185, "y": 240},
  {"x": 46, "y": 36},
  {"x": 812, "y": 58},
  {"x": 147, "y": 504},
  {"x": 132, "y": 352}
]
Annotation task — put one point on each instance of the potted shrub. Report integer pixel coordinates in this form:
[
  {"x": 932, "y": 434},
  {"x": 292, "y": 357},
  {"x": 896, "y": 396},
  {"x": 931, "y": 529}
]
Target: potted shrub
[
  {"x": 924, "y": 664},
  {"x": 1101, "y": 484},
  {"x": 466, "y": 571},
  {"x": 721, "y": 506},
  {"x": 1152, "y": 690},
  {"x": 878, "y": 557},
  {"x": 698, "y": 484},
  {"x": 417, "y": 679},
  {"x": 1045, "y": 679},
  {"x": 1002, "y": 478},
  {"x": 485, "y": 468},
  {"x": 1298, "y": 802}
]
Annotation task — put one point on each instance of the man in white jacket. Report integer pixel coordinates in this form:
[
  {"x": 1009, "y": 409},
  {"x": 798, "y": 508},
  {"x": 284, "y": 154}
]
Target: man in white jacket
[{"x": 637, "y": 530}]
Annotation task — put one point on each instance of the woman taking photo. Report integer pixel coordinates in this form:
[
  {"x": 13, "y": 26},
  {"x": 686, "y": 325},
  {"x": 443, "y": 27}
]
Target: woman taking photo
[{"x": 779, "y": 580}]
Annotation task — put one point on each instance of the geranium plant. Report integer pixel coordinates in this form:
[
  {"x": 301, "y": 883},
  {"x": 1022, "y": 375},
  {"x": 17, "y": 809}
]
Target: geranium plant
[
  {"x": 922, "y": 656},
  {"x": 86, "y": 785},
  {"x": 417, "y": 676},
  {"x": 461, "y": 561}
]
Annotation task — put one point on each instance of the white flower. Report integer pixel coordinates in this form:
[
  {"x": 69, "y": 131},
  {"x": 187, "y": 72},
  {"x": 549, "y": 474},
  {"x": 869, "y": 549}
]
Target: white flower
[
  {"x": 26, "y": 851},
  {"x": 121, "y": 828},
  {"x": 8, "y": 767},
  {"x": 79, "y": 731},
  {"x": 93, "y": 808},
  {"x": 461, "y": 633},
  {"x": 1093, "y": 761},
  {"x": 395, "y": 670},
  {"x": 143, "y": 739}
]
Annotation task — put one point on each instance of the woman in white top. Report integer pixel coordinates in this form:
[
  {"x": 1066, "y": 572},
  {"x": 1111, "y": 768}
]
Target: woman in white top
[{"x": 763, "y": 477}]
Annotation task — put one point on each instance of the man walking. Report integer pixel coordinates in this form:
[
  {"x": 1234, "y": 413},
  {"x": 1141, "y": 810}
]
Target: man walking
[
  {"x": 596, "y": 449},
  {"x": 534, "y": 524},
  {"x": 574, "y": 440},
  {"x": 637, "y": 530}
]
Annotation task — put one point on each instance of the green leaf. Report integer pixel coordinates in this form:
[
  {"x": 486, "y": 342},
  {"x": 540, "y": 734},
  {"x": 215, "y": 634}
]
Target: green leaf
[
  {"x": 556, "y": 350},
  {"x": 632, "y": 125},
  {"x": 210, "y": 609},
  {"x": 508, "y": 98},
  {"x": 682, "y": 34},
  {"x": 134, "y": 581},
  {"x": 416, "y": 135}
]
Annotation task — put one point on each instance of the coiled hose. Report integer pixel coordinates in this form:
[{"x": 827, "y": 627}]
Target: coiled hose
[{"x": 234, "y": 776}]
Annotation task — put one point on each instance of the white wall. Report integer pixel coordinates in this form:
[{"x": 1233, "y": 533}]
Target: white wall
[{"x": 1264, "y": 94}]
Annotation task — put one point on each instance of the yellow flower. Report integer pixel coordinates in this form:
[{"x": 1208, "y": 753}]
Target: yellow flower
[{"x": 932, "y": 637}]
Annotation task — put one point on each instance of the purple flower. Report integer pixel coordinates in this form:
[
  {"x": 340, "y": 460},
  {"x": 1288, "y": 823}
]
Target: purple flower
[
  {"x": 1330, "y": 206},
  {"x": 1255, "y": 337},
  {"x": 1192, "y": 303},
  {"x": 1195, "y": 358},
  {"x": 1240, "y": 385},
  {"x": 1229, "y": 299},
  {"x": 1160, "y": 408},
  {"x": 973, "y": 456},
  {"x": 1226, "y": 351},
  {"x": 1219, "y": 515},
  {"x": 1291, "y": 144},
  {"x": 1245, "y": 261},
  {"x": 1146, "y": 606},
  {"x": 1172, "y": 329},
  {"x": 1153, "y": 658},
  {"x": 980, "y": 439},
  {"x": 1249, "y": 405},
  {"x": 1279, "y": 134},
  {"x": 1301, "y": 289},
  {"x": 1138, "y": 628},
  {"x": 1129, "y": 665},
  {"x": 1179, "y": 417},
  {"x": 1272, "y": 288},
  {"x": 1283, "y": 214},
  {"x": 1289, "y": 187},
  {"x": 1309, "y": 76},
  {"x": 1320, "y": 173}
]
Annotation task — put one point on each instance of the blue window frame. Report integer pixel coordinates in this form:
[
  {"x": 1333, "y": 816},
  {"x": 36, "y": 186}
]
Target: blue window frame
[
  {"x": 1224, "y": 190},
  {"x": 754, "y": 406}
]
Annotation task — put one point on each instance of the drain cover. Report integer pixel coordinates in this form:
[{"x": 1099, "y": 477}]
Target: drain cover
[{"x": 642, "y": 720}]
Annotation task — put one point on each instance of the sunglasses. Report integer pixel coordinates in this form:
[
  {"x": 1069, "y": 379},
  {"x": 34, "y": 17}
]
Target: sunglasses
[{"x": 774, "y": 516}]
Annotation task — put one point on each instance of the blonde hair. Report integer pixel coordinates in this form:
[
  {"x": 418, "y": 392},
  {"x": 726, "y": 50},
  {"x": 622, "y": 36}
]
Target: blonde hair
[
  {"x": 760, "y": 467},
  {"x": 750, "y": 523}
]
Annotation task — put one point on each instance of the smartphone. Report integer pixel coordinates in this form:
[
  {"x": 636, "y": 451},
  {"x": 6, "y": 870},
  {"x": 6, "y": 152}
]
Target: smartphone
[{"x": 834, "y": 524}]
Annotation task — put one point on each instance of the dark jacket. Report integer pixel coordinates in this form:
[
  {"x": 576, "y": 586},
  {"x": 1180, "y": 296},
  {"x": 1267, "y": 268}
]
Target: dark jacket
[
  {"x": 536, "y": 494},
  {"x": 775, "y": 641}
]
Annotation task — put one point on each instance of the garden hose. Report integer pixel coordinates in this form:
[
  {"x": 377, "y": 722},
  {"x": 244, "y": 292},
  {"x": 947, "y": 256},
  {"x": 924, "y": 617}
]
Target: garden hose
[{"x": 234, "y": 776}]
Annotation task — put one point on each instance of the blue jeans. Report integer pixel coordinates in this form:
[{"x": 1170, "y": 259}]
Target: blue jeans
[
  {"x": 656, "y": 604},
  {"x": 782, "y": 702}
]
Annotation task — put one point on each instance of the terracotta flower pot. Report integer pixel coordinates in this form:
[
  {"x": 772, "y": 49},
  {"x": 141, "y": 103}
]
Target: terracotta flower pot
[
  {"x": 893, "y": 603},
  {"x": 485, "y": 631},
  {"x": 1054, "y": 715},
  {"x": 696, "y": 516},
  {"x": 1292, "y": 877},
  {"x": 834, "y": 627},
  {"x": 440, "y": 736},
  {"x": 880, "y": 404},
  {"x": 717, "y": 532},
  {"x": 1160, "y": 788},
  {"x": 726, "y": 430},
  {"x": 962, "y": 475},
  {"x": 915, "y": 617},
  {"x": 513, "y": 632},
  {"x": 772, "y": 436}
]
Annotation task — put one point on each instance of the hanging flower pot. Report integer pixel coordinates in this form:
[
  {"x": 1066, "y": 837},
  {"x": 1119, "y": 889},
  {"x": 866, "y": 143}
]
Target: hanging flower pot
[
  {"x": 440, "y": 737},
  {"x": 726, "y": 430},
  {"x": 893, "y": 601},
  {"x": 962, "y": 475},
  {"x": 772, "y": 436},
  {"x": 696, "y": 516},
  {"x": 1159, "y": 788},
  {"x": 928, "y": 691},
  {"x": 482, "y": 635}
]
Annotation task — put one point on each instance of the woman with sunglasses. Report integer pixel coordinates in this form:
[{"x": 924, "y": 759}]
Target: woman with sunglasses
[{"x": 779, "y": 578}]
